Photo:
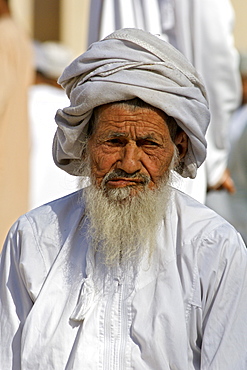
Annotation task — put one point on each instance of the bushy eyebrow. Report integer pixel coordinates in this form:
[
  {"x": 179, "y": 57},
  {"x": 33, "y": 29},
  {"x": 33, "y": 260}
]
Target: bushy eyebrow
[
  {"x": 148, "y": 137},
  {"x": 113, "y": 134}
]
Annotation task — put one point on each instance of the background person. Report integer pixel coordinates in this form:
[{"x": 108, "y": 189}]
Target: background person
[
  {"x": 47, "y": 182},
  {"x": 203, "y": 32},
  {"x": 233, "y": 207},
  {"x": 16, "y": 75}
]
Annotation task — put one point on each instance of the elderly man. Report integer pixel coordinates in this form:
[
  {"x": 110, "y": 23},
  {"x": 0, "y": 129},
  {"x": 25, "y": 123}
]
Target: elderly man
[{"x": 127, "y": 273}]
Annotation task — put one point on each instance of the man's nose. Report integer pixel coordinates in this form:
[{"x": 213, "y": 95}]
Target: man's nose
[{"x": 130, "y": 158}]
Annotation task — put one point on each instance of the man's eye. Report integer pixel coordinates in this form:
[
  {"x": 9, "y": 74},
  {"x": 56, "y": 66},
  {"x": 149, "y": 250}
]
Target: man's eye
[
  {"x": 114, "y": 141},
  {"x": 147, "y": 143}
]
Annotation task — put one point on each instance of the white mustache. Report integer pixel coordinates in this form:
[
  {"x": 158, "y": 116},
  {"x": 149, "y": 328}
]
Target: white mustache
[{"x": 120, "y": 173}]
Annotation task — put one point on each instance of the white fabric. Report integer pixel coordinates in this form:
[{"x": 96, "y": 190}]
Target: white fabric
[
  {"x": 204, "y": 34},
  {"x": 233, "y": 207},
  {"x": 131, "y": 63},
  {"x": 184, "y": 310},
  {"x": 238, "y": 124},
  {"x": 203, "y": 31},
  {"x": 46, "y": 181}
]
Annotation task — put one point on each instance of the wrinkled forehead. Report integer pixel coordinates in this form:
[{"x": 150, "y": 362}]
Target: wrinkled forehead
[{"x": 117, "y": 117}]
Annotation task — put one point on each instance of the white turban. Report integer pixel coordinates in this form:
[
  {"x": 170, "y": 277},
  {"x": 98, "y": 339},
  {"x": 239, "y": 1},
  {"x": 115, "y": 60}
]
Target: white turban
[{"x": 131, "y": 63}]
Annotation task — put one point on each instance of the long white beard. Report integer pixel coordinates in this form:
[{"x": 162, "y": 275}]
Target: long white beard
[
  {"x": 122, "y": 227},
  {"x": 123, "y": 230}
]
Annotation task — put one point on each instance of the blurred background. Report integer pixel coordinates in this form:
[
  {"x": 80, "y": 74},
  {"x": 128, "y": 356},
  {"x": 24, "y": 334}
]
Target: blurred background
[
  {"x": 57, "y": 20},
  {"x": 67, "y": 21}
]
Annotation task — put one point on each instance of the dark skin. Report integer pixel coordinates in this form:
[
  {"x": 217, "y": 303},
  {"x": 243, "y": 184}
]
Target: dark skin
[
  {"x": 225, "y": 183},
  {"x": 136, "y": 142}
]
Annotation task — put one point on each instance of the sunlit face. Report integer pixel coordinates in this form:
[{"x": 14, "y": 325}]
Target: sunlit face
[{"x": 136, "y": 141}]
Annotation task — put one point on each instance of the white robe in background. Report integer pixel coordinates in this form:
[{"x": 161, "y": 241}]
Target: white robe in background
[
  {"x": 203, "y": 31},
  {"x": 46, "y": 181},
  {"x": 186, "y": 309},
  {"x": 233, "y": 207}
]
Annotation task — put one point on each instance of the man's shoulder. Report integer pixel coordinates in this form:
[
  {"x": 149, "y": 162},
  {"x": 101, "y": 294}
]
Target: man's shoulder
[
  {"x": 200, "y": 231},
  {"x": 45, "y": 229},
  {"x": 195, "y": 221},
  {"x": 186, "y": 204},
  {"x": 60, "y": 209},
  {"x": 51, "y": 220}
]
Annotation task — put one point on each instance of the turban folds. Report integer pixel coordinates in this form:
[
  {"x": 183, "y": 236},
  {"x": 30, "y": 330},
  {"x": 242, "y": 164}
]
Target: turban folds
[{"x": 131, "y": 63}]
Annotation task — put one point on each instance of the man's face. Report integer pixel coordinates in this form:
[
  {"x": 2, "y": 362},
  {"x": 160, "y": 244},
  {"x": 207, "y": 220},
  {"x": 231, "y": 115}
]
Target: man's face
[{"x": 132, "y": 142}]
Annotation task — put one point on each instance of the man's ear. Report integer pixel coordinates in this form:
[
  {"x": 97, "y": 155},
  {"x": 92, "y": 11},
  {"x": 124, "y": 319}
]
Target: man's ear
[{"x": 181, "y": 142}]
